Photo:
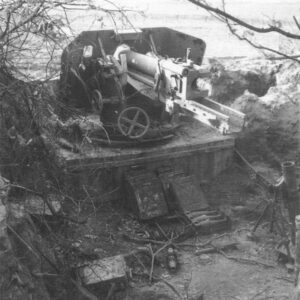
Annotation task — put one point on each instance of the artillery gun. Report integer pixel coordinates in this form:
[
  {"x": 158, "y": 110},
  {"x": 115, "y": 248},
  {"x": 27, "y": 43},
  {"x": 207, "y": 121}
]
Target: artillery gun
[{"x": 112, "y": 71}]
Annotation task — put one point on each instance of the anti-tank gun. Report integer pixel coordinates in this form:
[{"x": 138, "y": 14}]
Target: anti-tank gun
[{"x": 114, "y": 74}]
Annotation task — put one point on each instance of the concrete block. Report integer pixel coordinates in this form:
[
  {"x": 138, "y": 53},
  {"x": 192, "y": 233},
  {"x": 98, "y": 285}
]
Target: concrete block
[{"x": 110, "y": 269}]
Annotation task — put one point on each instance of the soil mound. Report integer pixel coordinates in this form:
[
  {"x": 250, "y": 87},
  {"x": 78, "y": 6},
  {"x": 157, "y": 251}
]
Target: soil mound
[{"x": 272, "y": 119}]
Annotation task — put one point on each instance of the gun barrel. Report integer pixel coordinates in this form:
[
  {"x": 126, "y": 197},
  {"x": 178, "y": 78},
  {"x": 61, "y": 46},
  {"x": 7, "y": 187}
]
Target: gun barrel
[
  {"x": 149, "y": 65},
  {"x": 142, "y": 63}
]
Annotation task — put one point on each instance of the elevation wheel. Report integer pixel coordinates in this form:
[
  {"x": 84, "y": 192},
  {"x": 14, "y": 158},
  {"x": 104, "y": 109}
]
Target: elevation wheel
[{"x": 133, "y": 122}]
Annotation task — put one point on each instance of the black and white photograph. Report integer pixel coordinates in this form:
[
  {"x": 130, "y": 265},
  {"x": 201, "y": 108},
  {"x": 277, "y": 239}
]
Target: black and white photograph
[{"x": 149, "y": 150}]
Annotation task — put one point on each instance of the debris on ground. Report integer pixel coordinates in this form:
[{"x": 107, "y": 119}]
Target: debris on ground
[{"x": 106, "y": 270}]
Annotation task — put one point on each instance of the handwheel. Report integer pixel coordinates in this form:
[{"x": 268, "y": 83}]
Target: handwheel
[
  {"x": 133, "y": 122},
  {"x": 96, "y": 101}
]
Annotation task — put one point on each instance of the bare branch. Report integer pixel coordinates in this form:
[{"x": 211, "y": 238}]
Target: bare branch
[
  {"x": 260, "y": 47},
  {"x": 230, "y": 17},
  {"x": 7, "y": 22},
  {"x": 26, "y": 20},
  {"x": 232, "y": 22},
  {"x": 296, "y": 22}
]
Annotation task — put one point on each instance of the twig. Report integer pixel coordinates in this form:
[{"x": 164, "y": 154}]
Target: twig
[
  {"x": 246, "y": 260},
  {"x": 161, "y": 231},
  {"x": 284, "y": 278},
  {"x": 296, "y": 22},
  {"x": 170, "y": 286},
  {"x": 152, "y": 263},
  {"x": 153, "y": 254},
  {"x": 111, "y": 291},
  {"x": 257, "y": 46},
  {"x": 25, "y": 189},
  {"x": 174, "y": 243},
  {"x": 89, "y": 197},
  {"x": 214, "y": 249},
  {"x": 23, "y": 241},
  {"x": 50, "y": 262},
  {"x": 44, "y": 274},
  {"x": 259, "y": 293},
  {"x": 141, "y": 241},
  {"x": 84, "y": 291},
  {"x": 200, "y": 245},
  {"x": 230, "y": 17},
  {"x": 71, "y": 219}
]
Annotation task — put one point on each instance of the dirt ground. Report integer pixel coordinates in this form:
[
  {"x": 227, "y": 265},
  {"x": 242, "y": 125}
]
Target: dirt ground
[{"x": 251, "y": 271}]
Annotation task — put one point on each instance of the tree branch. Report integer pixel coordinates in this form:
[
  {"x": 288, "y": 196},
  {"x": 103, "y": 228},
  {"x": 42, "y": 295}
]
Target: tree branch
[
  {"x": 230, "y": 17},
  {"x": 296, "y": 22},
  {"x": 26, "y": 20},
  {"x": 260, "y": 47}
]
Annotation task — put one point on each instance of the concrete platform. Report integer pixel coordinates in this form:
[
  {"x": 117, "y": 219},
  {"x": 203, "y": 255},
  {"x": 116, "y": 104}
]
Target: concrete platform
[
  {"x": 195, "y": 149},
  {"x": 190, "y": 140}
]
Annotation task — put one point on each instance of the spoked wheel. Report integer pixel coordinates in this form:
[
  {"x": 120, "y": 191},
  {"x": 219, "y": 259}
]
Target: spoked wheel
[
  {"x": 133, "y": 122},
  {"x": 97, "y": 101}
]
